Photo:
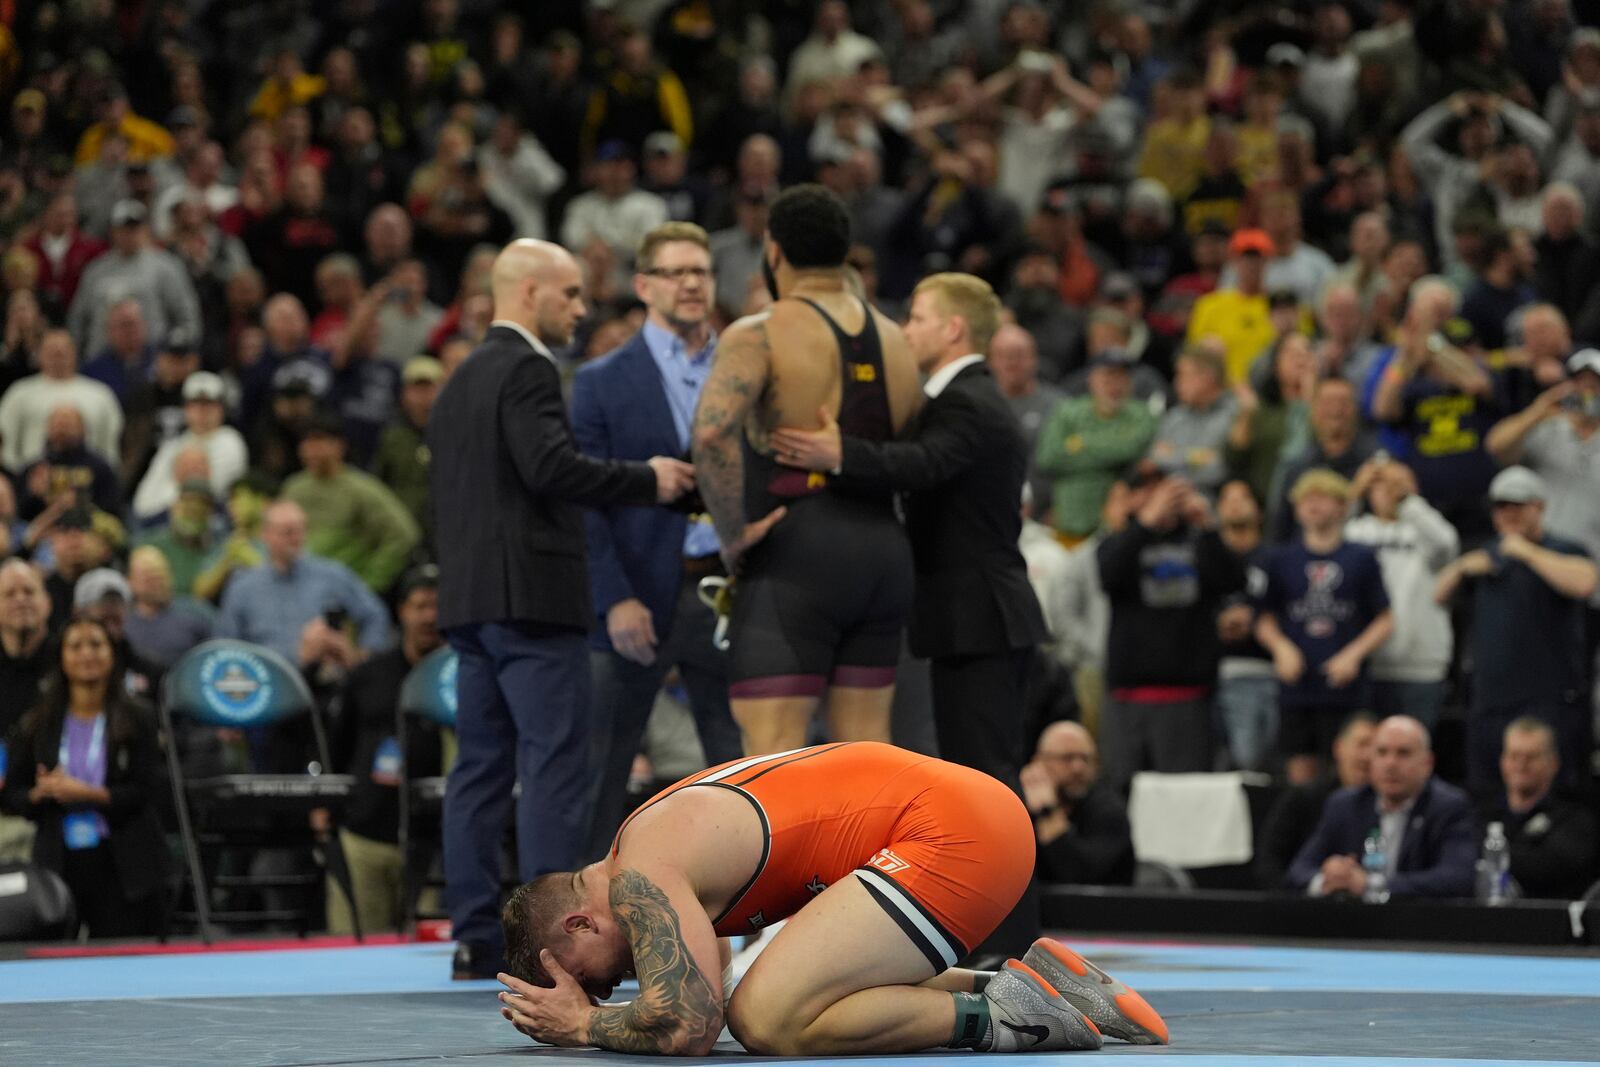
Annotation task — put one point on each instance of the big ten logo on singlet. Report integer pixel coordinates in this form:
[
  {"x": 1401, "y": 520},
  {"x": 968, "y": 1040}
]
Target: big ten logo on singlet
[
  {"x": 1439, "y": 423},
  {"x": 862, "y": 372},
  {"x": 1320, "y": 610},
  {"x": 1168, "y": 577},
  {"x": 886, "y": 861}
]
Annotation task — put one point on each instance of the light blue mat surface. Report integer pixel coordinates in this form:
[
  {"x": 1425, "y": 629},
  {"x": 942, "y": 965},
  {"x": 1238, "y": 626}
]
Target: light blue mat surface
[{"x": 1263, "y": 1006}]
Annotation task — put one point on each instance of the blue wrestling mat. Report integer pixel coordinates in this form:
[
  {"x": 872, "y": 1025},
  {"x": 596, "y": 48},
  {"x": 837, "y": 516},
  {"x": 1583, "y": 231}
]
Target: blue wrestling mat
[{"x": 1263, "y": 1006}]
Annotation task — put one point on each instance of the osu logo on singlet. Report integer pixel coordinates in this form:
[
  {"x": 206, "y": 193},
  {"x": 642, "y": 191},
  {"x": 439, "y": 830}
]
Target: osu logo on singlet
[{"x": 888, "y": 862}]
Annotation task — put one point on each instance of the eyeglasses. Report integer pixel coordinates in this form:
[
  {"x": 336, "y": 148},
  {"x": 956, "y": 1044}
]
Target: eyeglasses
[{"x": 676, "y": 275}]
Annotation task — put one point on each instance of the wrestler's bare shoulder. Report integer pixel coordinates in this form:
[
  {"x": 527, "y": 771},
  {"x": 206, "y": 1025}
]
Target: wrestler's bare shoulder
[{"x": 712, "y": 836}]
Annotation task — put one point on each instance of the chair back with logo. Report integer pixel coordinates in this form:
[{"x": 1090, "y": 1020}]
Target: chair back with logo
[
  {"x": 235, "y": 685},
  {"x": 428, "y": 693},
  {"x": 35, "y": 904}
]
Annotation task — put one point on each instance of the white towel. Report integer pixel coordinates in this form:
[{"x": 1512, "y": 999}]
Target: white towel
[{"x": 1190, "y": 820}]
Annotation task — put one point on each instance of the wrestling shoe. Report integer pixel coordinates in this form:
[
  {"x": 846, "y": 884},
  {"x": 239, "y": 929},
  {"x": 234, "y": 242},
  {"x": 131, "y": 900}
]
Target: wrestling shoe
[
  {"x": 1029, "y": 1016},
  {"x": 1115, "y": 1009}
]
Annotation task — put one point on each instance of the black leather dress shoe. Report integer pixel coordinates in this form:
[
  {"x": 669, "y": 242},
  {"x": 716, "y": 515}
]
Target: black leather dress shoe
[{"x": 475, "y": 961}]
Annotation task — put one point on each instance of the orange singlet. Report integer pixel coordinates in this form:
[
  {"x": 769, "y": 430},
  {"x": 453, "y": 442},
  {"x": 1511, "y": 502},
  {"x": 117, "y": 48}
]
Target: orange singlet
[{"x": 944, "y": 849}]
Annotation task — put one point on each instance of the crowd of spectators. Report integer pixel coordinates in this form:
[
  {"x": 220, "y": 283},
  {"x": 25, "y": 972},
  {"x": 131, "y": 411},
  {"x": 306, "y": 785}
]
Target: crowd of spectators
[{"x": 1301, "y": 324}]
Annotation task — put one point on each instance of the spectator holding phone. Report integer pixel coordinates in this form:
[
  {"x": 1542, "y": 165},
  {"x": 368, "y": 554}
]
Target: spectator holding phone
[
  {"x": 299, "y": 604},
  {"x": 1558, "y": 438}
]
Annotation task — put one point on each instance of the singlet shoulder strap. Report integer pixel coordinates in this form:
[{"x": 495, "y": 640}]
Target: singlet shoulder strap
[{"x": 833, "y": 324}]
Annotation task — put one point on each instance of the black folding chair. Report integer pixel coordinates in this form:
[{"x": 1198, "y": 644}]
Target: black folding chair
[
  {"x": 428, "y": 693},
  {"x": 233, "y": 684},
  {"x": 35, "y": 904}
]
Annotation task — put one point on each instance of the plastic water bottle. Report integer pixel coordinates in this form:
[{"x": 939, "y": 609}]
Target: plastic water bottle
[
  {"x": 1376, "y": 864},
  {"x": 1494, "y": 866}
]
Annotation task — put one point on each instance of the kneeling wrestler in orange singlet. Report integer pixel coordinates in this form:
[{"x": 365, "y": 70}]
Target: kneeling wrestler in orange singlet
[{"x": 889, "y": 865}]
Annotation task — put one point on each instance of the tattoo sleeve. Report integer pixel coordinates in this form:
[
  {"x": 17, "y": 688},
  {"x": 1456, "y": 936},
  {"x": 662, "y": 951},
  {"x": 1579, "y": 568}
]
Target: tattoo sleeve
[
  {"x": 738, "y": 379},
  {"x": 677, "y": 1009}
]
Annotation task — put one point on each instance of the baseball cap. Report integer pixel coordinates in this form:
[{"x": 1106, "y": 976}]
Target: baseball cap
[
  {"x": 1516, "y": 485},
  {"x": 422, "y": 576},
  {"x": 29, "y": 100},
  {"x": 1252, "y": 240},
  {"x": 1147, "y": 194},
  {"x": 1585, "y": 359},
  {"x": 1118, "y": 285},
  {"x": 422, "y": 369},
  {"x": 99, "y": 584},
  {"x": 203, "y": 385},
  {"x": 1115, "y": 356},
  {"x": 1583, "y": 37},
  {"x": 178, "y": 342},
  {"x": 1285, "y": 54},
  {"x": 662, "y": 143},
  {"x": 302, "y": 377},
  {"x": 128, "y": 213},
  {"x": 612, "y": 150}
]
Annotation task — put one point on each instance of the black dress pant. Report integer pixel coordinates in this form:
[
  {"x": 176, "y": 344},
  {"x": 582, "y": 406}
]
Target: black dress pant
[{"x": 978, "y": 707}]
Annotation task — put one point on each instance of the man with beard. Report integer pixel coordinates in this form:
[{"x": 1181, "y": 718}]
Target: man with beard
[
  {"x": 507, "y": 482},
  {"x": 68, "y": 468},
  {"x": 633, "y": 403},
  {"x": 808, "y": 619},
  {"x": 1081, "y": 826}
]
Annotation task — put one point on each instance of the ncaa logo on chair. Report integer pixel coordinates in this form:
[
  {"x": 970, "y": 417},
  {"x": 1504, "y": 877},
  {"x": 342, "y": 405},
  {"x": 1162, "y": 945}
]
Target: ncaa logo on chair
[
  {"x": 888, "y": 862},
  {"x": 236, "y": 685},
  {"x": 447, "y": 683}
]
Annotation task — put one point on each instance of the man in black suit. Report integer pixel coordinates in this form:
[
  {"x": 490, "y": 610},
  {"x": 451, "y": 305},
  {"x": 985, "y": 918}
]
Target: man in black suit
[
  {"x": 975, "y": 616},
  {"x": 508, "y": 483}
]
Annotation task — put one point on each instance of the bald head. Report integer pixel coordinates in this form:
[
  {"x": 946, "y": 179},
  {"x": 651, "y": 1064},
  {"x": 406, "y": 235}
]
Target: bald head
[
  {"x": 538, "y": 286},
  {"x": 64, "y": 428},
  {"x": 1402, "y": 760}
]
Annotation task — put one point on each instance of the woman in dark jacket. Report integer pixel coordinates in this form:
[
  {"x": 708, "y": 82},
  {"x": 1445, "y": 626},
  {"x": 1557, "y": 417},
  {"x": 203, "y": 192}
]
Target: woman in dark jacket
[{"x": 85, "y": 766}]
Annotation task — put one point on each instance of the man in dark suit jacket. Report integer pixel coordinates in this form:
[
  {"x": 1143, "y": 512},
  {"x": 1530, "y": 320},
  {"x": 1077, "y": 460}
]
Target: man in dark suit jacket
[
  {"x": 507, "y": 483},
  {"x": 975, "y": 616},
  {"x": 645, "y": 564},
  {"x": 1425, "y": 827}
]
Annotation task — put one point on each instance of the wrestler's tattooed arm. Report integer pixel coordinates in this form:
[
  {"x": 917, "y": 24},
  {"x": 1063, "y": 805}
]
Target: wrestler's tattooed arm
[
  {"x": 678, "y": 1010},
  {"x": 737, "y": 381}
]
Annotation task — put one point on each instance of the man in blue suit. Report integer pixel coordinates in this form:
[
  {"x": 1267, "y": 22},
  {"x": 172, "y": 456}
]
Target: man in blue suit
[
  {"x": 1425, "y": 827},
  {"x": 645, "y": 563}
]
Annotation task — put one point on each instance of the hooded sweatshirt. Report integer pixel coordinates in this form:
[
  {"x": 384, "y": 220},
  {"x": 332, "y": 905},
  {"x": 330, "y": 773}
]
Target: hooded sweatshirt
[{"x": 1411, "y": 552}]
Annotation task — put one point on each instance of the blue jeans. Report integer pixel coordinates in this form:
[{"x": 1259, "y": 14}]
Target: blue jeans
[
  {"x": 1420, "y": 700},
  {"x": 1248, "y": 708},
  {"x": 523, "y": 718}
]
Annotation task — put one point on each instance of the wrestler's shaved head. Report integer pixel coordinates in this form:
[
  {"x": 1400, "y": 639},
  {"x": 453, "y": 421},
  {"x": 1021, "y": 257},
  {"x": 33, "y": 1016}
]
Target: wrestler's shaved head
[{"x": 538, "y": 286}]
